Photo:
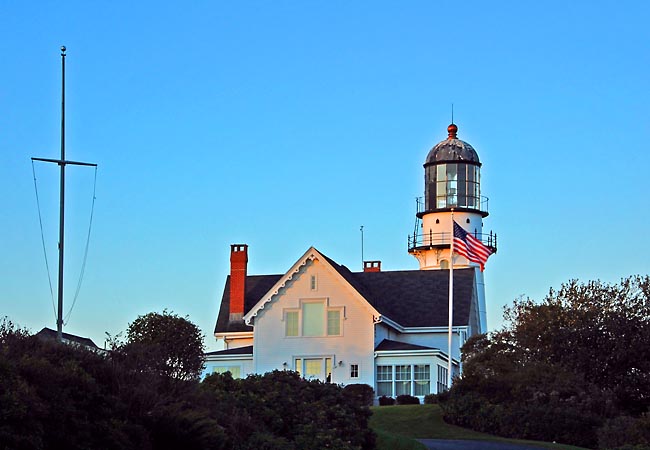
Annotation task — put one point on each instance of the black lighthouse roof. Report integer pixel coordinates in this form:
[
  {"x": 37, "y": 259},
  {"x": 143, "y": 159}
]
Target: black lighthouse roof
[{"x": 452, "y": 149}]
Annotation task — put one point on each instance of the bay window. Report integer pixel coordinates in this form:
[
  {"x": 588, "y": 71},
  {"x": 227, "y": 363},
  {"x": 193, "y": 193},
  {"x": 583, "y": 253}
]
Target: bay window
[{"x": 404, "y": 379}]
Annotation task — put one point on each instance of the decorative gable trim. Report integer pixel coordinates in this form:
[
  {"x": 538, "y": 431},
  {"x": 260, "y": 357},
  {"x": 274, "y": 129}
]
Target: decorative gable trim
[{"x": 310, "y": 255}]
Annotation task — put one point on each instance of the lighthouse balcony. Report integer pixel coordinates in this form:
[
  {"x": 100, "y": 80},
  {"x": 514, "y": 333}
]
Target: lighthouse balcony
[
  {"x": 430, "y": 240},
  {"x": 452, "y": 201}
]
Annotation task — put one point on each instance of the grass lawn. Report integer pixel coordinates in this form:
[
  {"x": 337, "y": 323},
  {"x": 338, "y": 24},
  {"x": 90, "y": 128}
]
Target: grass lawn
[{"x": 425, "y": 422}]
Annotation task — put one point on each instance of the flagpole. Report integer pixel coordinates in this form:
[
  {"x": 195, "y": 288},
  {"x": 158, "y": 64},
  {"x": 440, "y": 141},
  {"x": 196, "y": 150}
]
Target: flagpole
[{"x": 451, "y": 299}]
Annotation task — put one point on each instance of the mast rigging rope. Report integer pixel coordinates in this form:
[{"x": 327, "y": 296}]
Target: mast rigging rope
[{"x": 40, "y": 221}]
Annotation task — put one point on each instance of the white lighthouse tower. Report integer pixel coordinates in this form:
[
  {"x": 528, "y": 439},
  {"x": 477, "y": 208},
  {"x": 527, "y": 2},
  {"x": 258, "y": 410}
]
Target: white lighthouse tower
[{"x": 452, "y": 187}]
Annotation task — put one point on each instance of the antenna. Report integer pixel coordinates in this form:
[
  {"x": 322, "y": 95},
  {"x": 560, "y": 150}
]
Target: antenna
[
  {"x": 361, "y": 229},
  {"x": 62, "y": 163},
  {"x": 452, "y": 113}
]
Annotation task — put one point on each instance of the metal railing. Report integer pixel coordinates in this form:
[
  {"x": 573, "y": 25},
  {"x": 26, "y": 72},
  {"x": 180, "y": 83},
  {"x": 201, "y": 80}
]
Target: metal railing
[{"x": 431, "y": 240}]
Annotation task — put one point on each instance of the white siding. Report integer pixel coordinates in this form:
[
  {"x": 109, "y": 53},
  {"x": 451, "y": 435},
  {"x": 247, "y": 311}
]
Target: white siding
[
  {"x": 381, "y": 332},
  {"x": 354, "y": 346}
]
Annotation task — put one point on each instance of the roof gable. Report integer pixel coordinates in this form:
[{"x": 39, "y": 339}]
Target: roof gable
[{"x": 310, "y": 255}]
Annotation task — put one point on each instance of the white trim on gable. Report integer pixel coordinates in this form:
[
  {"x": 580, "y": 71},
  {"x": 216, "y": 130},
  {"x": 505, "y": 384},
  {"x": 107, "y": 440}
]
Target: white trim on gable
[{"x": 310, "y": 255}]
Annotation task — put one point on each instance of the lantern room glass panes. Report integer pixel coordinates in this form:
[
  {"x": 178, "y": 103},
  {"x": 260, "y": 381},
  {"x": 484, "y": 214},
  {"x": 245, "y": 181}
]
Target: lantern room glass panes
[{"x": 453, "y": 185}]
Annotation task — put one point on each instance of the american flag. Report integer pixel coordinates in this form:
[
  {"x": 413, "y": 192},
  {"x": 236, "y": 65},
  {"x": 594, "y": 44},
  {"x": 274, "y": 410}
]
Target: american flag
[{"x": 471, "y": 248}]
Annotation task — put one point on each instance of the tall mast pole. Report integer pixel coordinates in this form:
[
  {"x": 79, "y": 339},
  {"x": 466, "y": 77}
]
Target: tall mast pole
[
  {"x": 62, "y": 163},
  {"x": 59, "y": 319}
]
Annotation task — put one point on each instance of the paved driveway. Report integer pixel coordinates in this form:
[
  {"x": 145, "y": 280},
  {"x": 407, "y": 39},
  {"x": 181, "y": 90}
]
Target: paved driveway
[{"x": 450, "y": 444}]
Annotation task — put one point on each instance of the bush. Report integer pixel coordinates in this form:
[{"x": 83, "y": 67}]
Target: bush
[
  {"x": 386, "y": 401},
  {"x": 362, "y": 393},
  {"x": 280, "y": 410},
  {"x": 569, "y": 421},
  {"x": 407, "y": 400},
  {"x": 431, "y": 399},
  {"x": 625, "y": 431},
  {"x": 54, "y": 396}
]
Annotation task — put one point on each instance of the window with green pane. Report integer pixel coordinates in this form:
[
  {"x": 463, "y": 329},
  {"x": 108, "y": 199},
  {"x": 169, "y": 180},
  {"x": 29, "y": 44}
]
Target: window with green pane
[
  {"x": 313, "y": 323},
  {"x": 291, "y": 319},
  {"x": 334, "y": 322}
]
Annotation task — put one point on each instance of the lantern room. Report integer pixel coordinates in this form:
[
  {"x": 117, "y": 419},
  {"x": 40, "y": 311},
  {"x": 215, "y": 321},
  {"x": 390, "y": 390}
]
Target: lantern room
[{"x": 452, "y": 177}]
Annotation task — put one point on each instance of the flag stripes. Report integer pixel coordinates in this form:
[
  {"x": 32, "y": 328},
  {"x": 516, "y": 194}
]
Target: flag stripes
[{"x": 468, "y": 246}]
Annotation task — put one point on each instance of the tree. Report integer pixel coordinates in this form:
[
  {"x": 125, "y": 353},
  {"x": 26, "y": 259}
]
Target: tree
[
  {"x": 598, "y": 330},
  {"x": 167, "y": 345},
  {"x": 562, "y": 368}
]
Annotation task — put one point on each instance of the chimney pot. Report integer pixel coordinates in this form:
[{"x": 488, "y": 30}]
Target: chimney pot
[{"x": 372, "y": 266}]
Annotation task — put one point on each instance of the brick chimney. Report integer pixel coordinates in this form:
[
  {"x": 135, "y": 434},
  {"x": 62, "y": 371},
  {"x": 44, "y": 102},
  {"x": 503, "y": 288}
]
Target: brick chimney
[
  {"x": 372, "y": 266},
  {"x": 238, "y": 263}
]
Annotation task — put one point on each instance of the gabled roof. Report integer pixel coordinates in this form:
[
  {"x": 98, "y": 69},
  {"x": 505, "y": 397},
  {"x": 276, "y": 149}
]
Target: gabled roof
[
  {"x": 48, "y": 334},
  {"x": 410, "y": 298}
]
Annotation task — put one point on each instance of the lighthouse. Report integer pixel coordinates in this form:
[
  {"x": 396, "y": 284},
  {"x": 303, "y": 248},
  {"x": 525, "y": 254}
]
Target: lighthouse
[{"x": 452, "y": 188}]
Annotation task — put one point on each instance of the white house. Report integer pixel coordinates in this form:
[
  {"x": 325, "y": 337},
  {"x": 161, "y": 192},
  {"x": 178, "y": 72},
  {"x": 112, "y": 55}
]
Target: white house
[{"x": 387, "y": 329}]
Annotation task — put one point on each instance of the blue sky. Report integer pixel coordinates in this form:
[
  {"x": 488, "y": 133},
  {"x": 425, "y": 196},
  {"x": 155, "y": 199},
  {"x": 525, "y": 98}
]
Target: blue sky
[{"x": 289, "y": 124}]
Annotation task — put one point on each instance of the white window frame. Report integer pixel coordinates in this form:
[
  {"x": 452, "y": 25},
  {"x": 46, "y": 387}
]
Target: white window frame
[
  {"x": 391, "y": 380},
  {"x": 441, "y": 384},
  {"x": 354, "y": 366},
  {"x": 411, "y": 379}
]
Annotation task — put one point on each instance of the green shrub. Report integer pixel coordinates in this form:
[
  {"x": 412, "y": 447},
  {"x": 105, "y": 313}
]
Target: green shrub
[
  {"x": 407, "y": 400},
  {"x": 431, "y": 399},
  {"x": 386, "y": 401},
  {"x": 362, "y": 393}
]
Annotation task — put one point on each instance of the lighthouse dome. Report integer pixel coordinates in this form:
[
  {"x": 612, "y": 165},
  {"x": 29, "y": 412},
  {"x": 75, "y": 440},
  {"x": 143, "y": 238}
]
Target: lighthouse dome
[{"x": 452, "y": 149}]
